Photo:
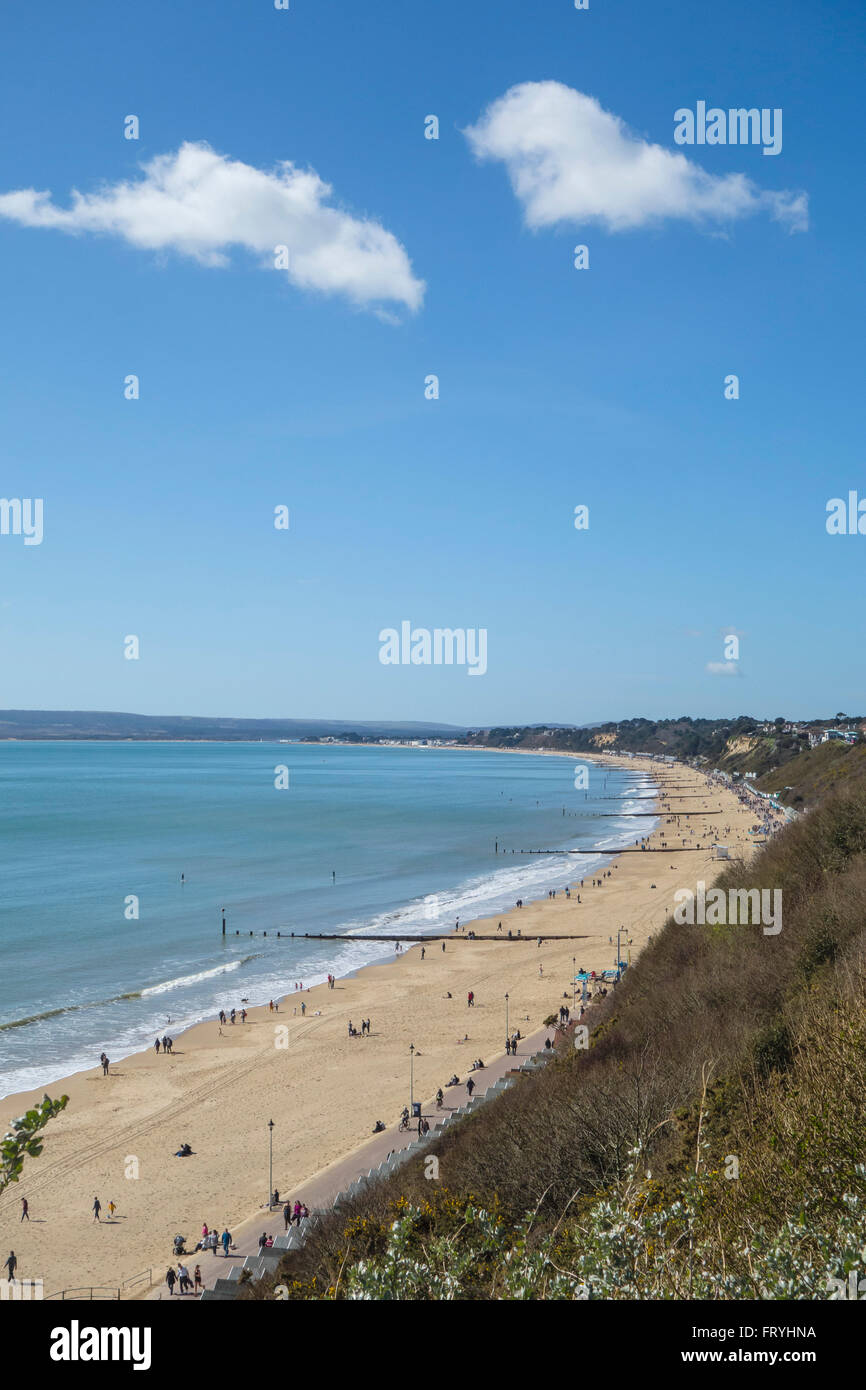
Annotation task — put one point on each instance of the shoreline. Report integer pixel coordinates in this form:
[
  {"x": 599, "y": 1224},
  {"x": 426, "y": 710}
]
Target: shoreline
[
  {"x": 323, "y": 1089},
  {"x": 124, "y": 1052}
]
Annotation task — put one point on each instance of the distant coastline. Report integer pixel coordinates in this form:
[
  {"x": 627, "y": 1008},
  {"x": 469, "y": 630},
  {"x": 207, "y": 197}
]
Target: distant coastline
[{"x": 109, "y": 726}]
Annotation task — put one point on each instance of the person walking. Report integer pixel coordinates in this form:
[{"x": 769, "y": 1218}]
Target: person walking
[
  {"x": 25, "y": 1209},
  {"x": 470, "y": 1087},
  {"x": 170, "y": 1279},
  {"x": 11, "y": 1264},
  {"x": 156, "y": 1045},
  {"x": 198, "y": 1279},
  {"x": 111, "y": 1209},
  {"x": 97, "y": 1208},
  {"x": 226, "y": 1240},
  {"x": 104, "y": 1060},
  {"x": 287, "y": 1215}
]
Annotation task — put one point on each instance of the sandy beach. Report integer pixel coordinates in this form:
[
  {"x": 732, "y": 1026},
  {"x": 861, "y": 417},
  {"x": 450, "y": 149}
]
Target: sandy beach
[{"x": 323, "y": 1089}]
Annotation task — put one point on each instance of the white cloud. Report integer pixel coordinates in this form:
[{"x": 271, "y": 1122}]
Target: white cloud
[
  {"x": 202, "y": 204},
  {"x": 570, "y": 161},
  {"x": 723, "y": 668}
]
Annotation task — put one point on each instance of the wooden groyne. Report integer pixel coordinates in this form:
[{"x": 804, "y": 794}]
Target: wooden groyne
[
  {"x": 642, "y": 815},
  {"x": 698, "y": 796},
  {"x": 686, "y": 849},
  {"x": 418, "y": 940}
]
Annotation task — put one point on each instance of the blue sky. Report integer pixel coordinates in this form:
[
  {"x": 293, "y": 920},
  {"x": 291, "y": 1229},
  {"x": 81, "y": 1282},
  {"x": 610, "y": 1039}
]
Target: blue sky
[{"x": 557, "y": 387}]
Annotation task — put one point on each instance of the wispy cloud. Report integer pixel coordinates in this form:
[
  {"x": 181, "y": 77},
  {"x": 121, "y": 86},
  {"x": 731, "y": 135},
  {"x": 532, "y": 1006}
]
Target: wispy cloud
[
  {"x": 202, "y": 204},
  {"x": 572, "y": 162},
  {"x": 723, "y": 668}
]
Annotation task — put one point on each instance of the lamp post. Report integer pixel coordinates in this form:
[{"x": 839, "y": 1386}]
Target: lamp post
[
  {"x": 270, "y": 1162},
  {"x": 573, "y": 981},
  {"x": 618, "y": 931},
  {"x": 411, "y": 1076},
  {"x": 507, "y": 1034}
]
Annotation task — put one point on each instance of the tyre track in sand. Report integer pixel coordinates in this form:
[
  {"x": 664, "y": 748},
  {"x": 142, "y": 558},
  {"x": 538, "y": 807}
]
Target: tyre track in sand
[{"x": 120, "y": 1138}]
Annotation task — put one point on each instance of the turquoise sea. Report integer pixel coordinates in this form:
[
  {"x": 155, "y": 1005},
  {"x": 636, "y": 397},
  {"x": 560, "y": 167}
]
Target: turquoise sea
[{"x": 361, "y": 840}]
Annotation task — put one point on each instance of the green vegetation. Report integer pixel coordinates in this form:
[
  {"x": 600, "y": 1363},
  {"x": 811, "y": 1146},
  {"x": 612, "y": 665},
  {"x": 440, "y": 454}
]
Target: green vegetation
[
  {"x": 815, "y": 773},
  {"x": 708, "y": 1144},
  {"x": 736, "y": 746},
  {"x": 678, "y": 738},
  {"x": 24, "y": 1140}
]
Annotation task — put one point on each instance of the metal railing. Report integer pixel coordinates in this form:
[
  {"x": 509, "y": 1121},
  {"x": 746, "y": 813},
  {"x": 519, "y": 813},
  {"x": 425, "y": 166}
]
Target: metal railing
[{"x": 94, "y": 1292}]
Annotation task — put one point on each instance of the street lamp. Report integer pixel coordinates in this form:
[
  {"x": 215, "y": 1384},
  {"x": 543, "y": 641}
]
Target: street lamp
[
  {"x": 270, "y": 1162},
  {"x": 573, "y": 981},
  {"x": 411, "y": 1076},
  {"x": 507, "y": 1034}
]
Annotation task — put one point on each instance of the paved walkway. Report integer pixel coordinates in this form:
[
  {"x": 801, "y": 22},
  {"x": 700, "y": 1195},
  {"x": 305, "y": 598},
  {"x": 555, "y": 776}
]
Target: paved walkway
[{"x": 321, "y": 1189}]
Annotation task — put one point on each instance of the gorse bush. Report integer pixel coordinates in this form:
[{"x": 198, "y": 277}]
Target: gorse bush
[{"x": 627, "y": 1247}]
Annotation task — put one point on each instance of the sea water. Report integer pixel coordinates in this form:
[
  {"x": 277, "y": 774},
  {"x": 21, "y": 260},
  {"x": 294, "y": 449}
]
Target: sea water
[{"x": 117, "y": 861}]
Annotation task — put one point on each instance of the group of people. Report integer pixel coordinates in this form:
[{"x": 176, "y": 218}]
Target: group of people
[
  {"x": 182, "y": 1278},
  {"x": 165, "y": 1042},
  {"x": 210, "y": 1240},
  {"x": 232, "y": 1017},
  {"x": 364, "y": 1030},
  {"x": 104, "y": 1062},
  {"x": 297, "y": 1213}
]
